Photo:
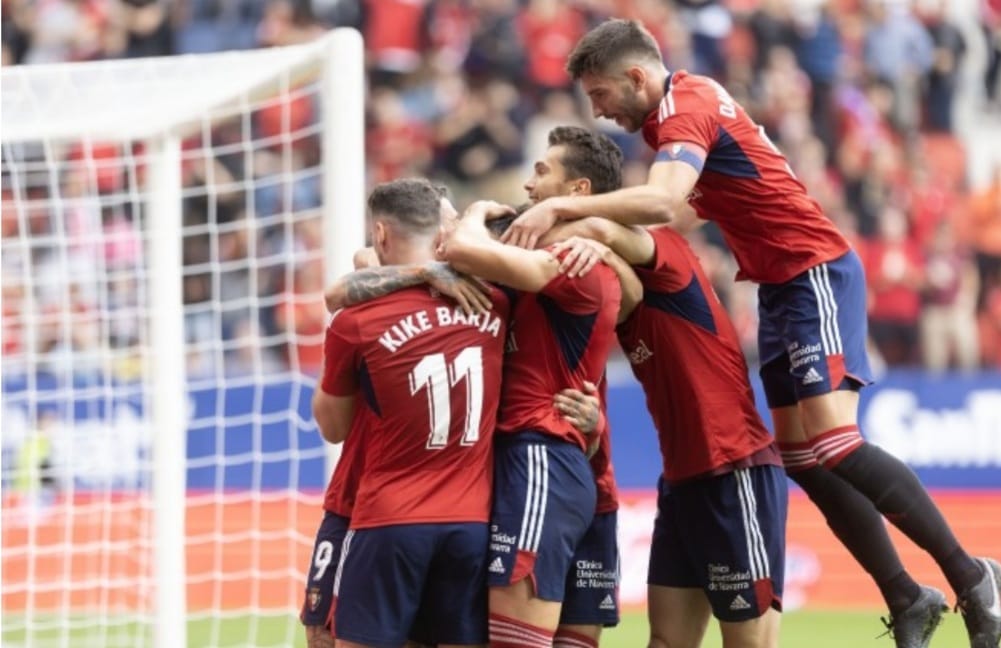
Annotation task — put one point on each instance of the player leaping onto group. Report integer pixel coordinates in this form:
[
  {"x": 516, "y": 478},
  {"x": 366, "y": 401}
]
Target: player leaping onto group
[{"x": 712, "y": 157}]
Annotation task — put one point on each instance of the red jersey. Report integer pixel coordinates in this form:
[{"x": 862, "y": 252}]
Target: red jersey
[
  {"x": 774, "y": 229},
  {"x": 340, "y": 496},
  {"x": 684, "y": 351},
  {"x": 430, "y": 377},
  {"x": 601, "y": 462},
  {"x": 558, "y": 338}
]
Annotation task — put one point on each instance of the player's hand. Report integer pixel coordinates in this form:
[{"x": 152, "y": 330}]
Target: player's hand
[
  {"x": 365, "y": 258},
  {"x": 472, "y": 294},
  {"x": 583, "y": 411},
  {"x": 527, "y": 229},
  {"x": 582, "y": 255}
]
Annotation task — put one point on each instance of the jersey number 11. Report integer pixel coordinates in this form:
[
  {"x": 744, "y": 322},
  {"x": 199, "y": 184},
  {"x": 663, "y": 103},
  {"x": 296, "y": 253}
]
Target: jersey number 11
[{"x": 437, "y": 379}]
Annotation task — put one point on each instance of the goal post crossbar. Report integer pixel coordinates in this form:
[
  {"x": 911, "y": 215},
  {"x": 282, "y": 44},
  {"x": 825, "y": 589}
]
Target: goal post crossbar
[{"x": 137, "y": 99}]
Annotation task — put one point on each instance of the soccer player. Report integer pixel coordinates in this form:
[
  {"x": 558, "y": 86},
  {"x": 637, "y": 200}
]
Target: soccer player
[
  {"x": 712, "y": 157},
  {"x": 579, "y": 161},
  {"x": 414, "y": 558},
  {"x": 544, "y": 490},
  {"x": 719, "y": 541}
]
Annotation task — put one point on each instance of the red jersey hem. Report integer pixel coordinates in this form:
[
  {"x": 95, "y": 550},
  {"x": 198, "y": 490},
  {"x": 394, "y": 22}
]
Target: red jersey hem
[
  {"x": 369, "y": 524},
  {"x": 796, "y": 270},
  {"x": 769, "y": 455}
]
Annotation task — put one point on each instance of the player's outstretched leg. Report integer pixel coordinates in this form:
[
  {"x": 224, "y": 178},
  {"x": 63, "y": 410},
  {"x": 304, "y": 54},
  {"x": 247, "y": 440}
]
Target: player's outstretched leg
[
  {"x": 898, "y": 494},
  {"x": 854, "y": 520}
]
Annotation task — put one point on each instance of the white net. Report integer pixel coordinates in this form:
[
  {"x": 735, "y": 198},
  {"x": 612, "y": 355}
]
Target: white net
[{"x": 80, "y": 381}]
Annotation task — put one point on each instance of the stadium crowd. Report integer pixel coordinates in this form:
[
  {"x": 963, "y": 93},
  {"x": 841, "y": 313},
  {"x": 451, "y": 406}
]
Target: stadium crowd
[{"x": 859, "y": 94}]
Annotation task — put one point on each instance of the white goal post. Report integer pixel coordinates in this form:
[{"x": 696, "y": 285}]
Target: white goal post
[{"x": 114, "y": 173}]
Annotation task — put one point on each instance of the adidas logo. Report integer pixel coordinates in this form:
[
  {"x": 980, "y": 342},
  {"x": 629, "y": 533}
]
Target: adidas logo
[
  {"x": 496, "y": 567},
  {"x": 739, "y": 603},
  {"x": 608, "y": 603},
  {"x": 812, "y": 376}
]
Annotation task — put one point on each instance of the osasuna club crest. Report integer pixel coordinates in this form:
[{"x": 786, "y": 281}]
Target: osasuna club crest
[{"x": 314, "y": 597}]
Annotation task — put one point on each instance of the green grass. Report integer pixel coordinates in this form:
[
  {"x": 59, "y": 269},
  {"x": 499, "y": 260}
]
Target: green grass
[{"x": 813, "y": 629}]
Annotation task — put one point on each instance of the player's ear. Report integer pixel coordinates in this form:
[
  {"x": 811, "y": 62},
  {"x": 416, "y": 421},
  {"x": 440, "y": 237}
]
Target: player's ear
[
  {"x": 379, "y": 235},
  {"x": 581, "y": 187},
  {"x": 637, "y": 77}
]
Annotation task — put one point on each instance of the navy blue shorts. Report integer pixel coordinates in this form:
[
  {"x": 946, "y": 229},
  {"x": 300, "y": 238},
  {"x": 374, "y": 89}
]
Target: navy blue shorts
[
  {"x": 812, "y": 332},
  {"x": 544, "y": 498},
  {"x": 425, "y": 582},
  {"x": 322, "y": 568},
  {"x": 725, "y": 535},
  {"x": 592, "y": 590}
]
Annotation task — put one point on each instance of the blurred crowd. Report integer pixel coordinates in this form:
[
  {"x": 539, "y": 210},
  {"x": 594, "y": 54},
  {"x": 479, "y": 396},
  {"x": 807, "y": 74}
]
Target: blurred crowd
[{"x": 861, "y": 95}]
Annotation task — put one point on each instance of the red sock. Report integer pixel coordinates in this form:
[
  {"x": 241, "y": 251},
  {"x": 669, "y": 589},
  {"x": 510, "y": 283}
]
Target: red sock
[
  {"x": 506, "y": 632},
  {"x": 568, "y": 639},
  {"x": 797, "y": 456},
  {"x": 831, "y": 447}
]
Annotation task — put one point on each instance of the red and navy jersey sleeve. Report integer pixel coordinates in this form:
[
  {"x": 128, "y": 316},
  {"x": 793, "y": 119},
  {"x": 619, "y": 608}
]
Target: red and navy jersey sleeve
[
  {"x": 697, "y": 127},
  {"x": 770, "y": 223},
  {"x": 580, "y": 295},
  {"x": 339, "y": 354},
  {"x": 672, "y": 267}
]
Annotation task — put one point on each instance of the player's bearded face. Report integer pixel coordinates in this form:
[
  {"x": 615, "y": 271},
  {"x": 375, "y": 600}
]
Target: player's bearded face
[
  {"x": 615, "y": 98},
  {"x": 632, "y": 110}
]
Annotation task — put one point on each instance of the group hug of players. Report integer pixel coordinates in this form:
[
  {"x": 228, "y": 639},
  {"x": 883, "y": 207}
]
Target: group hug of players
[{"x": 474, "y": 502}]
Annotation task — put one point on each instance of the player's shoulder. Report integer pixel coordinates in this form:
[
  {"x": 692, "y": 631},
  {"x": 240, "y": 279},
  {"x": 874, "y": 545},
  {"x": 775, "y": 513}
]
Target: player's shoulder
[
  {"x": 689, "y": 94},
  {"x": 665, "y": 236},
  {"x": 375, "y": 311}
]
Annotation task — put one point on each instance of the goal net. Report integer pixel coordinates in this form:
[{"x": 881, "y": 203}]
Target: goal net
[{"x": 167, "y": 229}]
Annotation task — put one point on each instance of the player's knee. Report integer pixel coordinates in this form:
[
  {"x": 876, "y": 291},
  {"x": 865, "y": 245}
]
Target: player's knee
[{"x": 762, "y": 632}]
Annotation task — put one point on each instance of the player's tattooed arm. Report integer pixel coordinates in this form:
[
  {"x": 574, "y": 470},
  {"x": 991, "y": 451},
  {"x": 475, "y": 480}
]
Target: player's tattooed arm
[{"x": 370, "y": 283}]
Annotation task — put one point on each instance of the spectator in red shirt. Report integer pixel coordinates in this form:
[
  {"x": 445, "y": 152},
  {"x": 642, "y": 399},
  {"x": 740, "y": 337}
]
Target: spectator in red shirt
[{"x": 893, "y": 267}]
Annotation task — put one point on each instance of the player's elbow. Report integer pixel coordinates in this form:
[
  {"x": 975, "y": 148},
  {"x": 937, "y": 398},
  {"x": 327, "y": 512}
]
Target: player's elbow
[
  {"x": 325, "y": 419},
  {"x": 335, "y": 296},
  {"x": 329, "y": 430},
  {"x": 599, "y": 229}
]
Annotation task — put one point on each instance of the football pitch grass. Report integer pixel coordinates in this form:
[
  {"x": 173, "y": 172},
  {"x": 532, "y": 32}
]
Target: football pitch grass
[{"x": 804, "y": 629}]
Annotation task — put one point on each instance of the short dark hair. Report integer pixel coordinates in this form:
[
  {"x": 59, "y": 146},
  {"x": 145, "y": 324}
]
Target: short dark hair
[
  {"x": 414, "y": 203},
  {"x": 497, "y": 226},
  {"x": 589, "y": 155},
  {"x": 610, "y": 43}
]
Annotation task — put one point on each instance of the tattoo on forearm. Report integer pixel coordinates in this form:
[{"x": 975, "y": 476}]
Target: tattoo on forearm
[{"x": 370, "y": 283}]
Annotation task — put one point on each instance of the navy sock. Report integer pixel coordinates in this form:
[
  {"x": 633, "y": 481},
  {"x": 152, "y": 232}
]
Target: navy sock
[
  {"x": 899, "y": 495},
  {"x": 860, "y": 528}
]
